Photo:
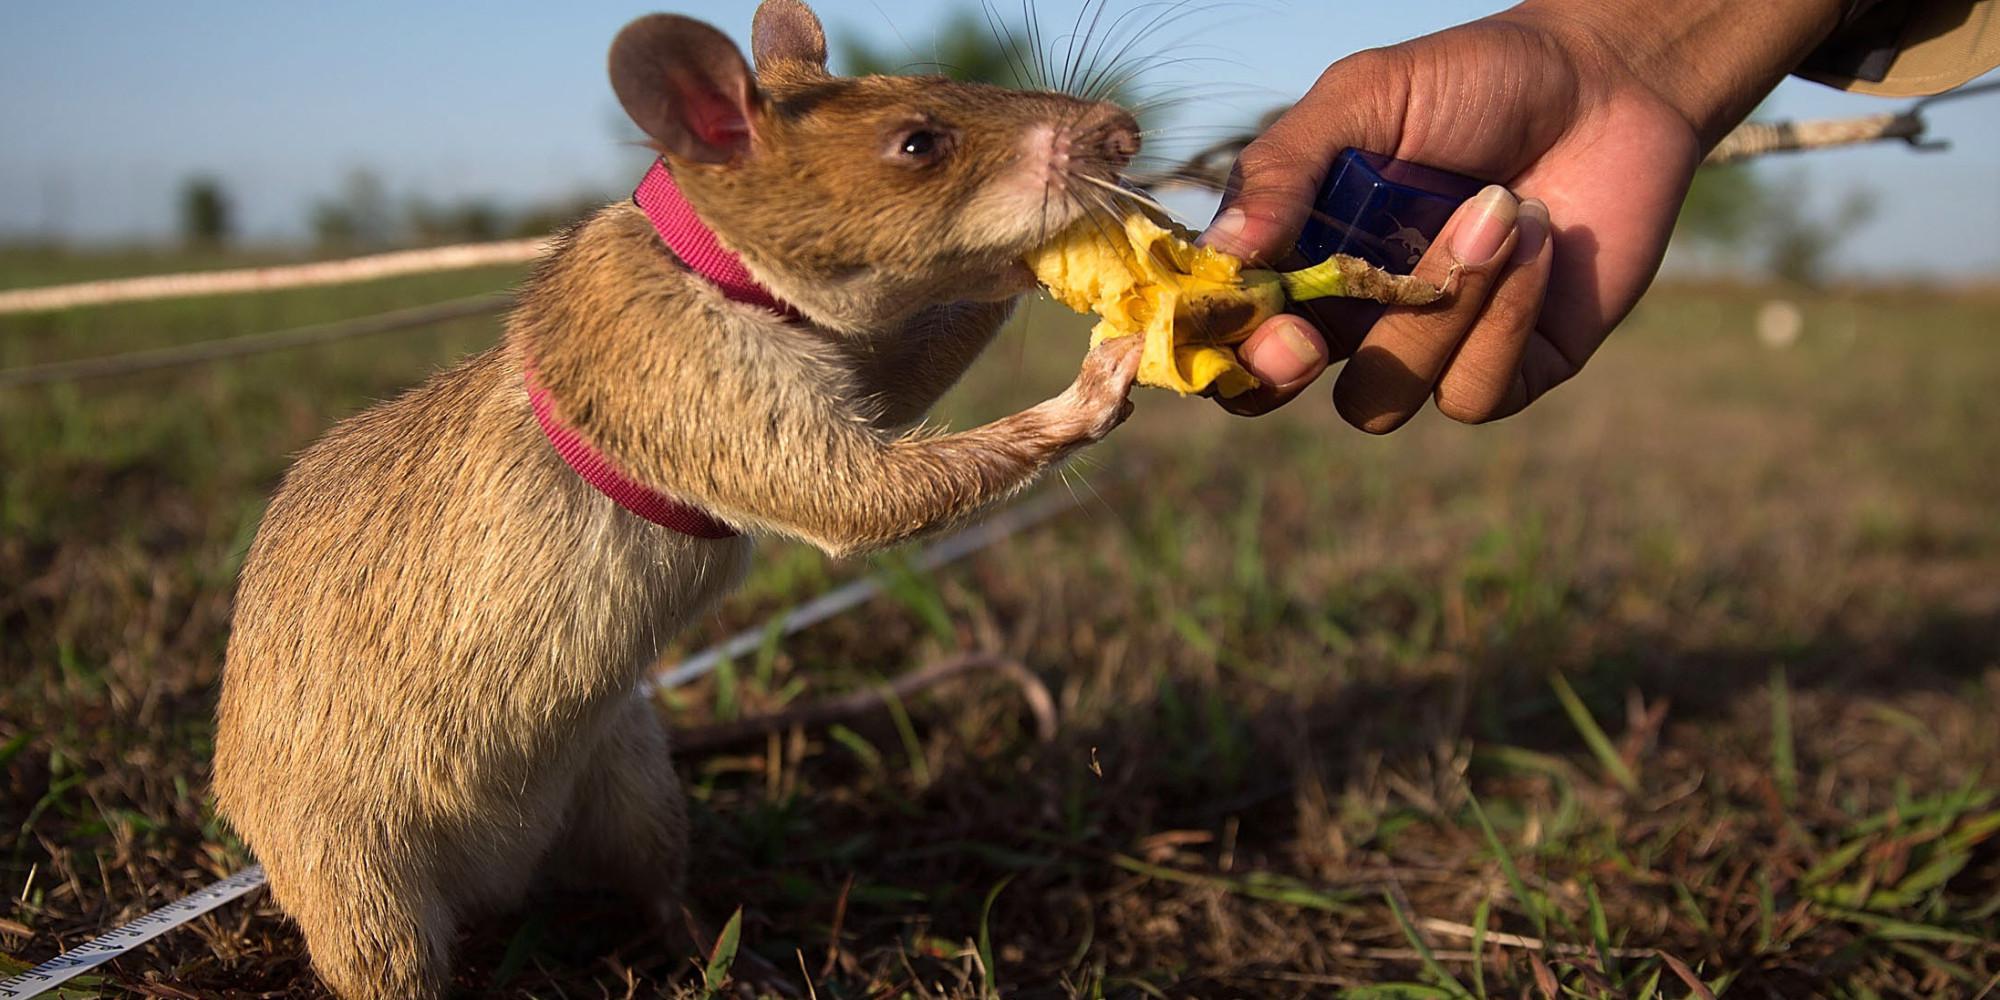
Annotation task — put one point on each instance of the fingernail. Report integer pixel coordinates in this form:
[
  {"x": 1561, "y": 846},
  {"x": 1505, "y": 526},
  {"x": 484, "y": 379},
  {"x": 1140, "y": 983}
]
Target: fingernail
[
  {"x": 1492, "y": 217},
  {"x": 1533, "y": 225},
  {"x": 1284, "y": 355},
  {"x": 1227, "y": 227}
]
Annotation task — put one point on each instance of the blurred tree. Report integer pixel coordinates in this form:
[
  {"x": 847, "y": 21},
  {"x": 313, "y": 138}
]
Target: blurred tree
[
  {"x": 1724, "y": 207},
  {"x": 467, "y": 221},
  {"x": 208, "y": 219},
  {"x": 555, "y": 216},
  {"x": 358, "y": 217},
  {"x": 1725, "y": 211},
  {"x": 1756, "y": 223},
  {"x": 1801, "y": 245}
]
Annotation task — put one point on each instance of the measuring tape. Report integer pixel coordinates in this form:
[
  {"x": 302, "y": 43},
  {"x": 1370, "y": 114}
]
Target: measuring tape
[
  {"x": 105, "y": 947},
  {"x": 75, "y": 962}
]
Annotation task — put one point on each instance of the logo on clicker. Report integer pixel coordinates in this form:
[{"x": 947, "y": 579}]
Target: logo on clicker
[{"x": 1413, "y": 241}]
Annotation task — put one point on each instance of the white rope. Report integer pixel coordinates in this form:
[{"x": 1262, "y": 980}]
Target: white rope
[{"x": 268, "y": 279}]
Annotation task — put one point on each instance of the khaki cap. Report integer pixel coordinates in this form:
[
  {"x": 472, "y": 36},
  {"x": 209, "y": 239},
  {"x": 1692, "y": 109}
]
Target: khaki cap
[{"x": 1944, "y": 44}]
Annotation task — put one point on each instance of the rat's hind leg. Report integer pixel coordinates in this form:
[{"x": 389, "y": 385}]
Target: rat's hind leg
[
  {"x": 370, "y": 941},
  {"x": 627, "y": 827},
  {"x": 628, "y": 832}
]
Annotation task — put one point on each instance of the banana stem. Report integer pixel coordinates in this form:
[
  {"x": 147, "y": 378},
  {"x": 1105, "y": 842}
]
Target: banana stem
[{"x": 1351, "y": 277}]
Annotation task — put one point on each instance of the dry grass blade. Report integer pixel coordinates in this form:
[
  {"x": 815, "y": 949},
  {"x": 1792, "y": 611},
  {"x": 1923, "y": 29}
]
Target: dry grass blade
[
  {"x": 1505, "y": 940},
  {"x": 1545, "y": 977},
  {"x": 1687, "y": 976}
]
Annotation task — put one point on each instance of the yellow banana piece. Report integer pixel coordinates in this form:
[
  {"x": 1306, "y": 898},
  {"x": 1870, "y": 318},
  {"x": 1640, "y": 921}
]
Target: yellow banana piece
[{"x": 1145, "y": 276}]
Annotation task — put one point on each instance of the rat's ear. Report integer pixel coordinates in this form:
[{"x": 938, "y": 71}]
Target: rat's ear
[
  {"x": 787, "y": 29},
  {"x": 685, "y": 85}
]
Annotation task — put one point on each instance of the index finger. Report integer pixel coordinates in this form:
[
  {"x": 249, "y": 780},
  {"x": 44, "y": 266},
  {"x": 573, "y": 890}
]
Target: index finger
[{"x": 1272, "y": 187}]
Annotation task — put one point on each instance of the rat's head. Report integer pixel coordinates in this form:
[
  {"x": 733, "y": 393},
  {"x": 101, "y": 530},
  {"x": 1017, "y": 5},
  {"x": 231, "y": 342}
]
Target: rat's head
[{"x": 862, "y": 199}]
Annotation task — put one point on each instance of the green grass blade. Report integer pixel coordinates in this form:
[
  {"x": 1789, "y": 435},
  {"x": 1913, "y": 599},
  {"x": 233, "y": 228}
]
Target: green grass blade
[
  {"x": 1480, "y": 914},
  {"x": 1397, "y": 991},
  {"x": 913, "y": 747},
  {"x": 1600, "y": 932},
  {"x": 765, "y": 667},
  {"x": 918, "y": 592},
  {"x": 1970, "y": 833},
  {"x": 1651, "y": 987},
  {"x": 1834, "y": 863},
  {"x": 1767, "y": 909},
  {"x": 857, "y": 745},
  {"x": 520, "y": 948},
  {"x": 14, "y": 746},
  {"x": 728, "y": 706},
  {"x": 723, "y": 956},
  {"x": 1593, "y": 736},
  {"x": 1684, "y": 898},
  {"x": 1889, "y": 929},
  {"x": 1532, "y": 904},
  {"x": 1272, "y": 888},
  {"x": 1431, "y": 965},
  {"x": 1784, "y": 763},
  {"x": 987, "y": 967}
]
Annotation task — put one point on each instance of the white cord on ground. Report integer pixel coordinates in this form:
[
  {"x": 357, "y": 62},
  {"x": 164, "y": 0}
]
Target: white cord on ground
[{"x": 1000, "y": 526}]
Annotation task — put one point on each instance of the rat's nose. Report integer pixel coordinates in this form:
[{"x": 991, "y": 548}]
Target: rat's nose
[{"x": 1112, "y": 134}]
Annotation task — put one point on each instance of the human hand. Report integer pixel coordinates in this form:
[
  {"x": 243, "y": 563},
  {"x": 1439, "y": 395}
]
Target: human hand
[{"x": 1594, "y": 116}]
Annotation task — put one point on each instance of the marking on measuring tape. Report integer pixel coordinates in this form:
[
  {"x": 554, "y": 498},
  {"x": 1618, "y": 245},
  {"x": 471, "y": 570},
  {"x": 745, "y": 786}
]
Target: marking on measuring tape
[{"x": 119, "y": 940}]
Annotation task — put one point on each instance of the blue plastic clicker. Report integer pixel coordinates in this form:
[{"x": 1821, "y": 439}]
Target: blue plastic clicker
[{"x": 1383, "y": 210}]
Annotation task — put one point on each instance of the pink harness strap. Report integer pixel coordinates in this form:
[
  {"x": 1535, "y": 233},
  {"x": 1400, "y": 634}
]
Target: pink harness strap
[
  {"x": 596, "y": 470},
  {"x": 695, "y": 244}
]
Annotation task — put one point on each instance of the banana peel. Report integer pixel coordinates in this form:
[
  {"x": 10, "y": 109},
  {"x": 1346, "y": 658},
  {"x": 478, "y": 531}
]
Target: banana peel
[{"x": 1143, "y": 276}]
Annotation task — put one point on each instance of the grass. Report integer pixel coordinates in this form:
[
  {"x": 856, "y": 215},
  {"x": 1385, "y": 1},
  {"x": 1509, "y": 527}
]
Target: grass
[{"x": 1680, "y": 684}]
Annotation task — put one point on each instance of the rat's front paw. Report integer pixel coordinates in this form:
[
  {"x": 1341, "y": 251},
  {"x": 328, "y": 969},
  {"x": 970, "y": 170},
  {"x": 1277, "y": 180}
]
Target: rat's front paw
[{"x": 1096, "y": 402}]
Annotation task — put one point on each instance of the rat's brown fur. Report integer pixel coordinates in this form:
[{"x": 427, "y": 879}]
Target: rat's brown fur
[{"x": 428, "y": 692}]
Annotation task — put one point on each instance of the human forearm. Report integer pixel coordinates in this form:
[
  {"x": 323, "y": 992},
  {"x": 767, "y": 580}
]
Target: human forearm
[{"x": 1711, "y": 60}]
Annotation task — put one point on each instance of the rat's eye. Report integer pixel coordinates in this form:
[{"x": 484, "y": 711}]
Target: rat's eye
[{"x": 920, "y": 145}]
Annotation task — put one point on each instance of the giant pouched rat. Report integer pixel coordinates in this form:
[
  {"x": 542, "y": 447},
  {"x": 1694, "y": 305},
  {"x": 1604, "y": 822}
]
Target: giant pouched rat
[{"x": 428, "y": 696}]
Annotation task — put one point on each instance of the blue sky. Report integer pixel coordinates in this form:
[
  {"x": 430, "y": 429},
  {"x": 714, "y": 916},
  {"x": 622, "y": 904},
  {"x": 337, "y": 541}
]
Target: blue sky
[{"x": 106, "y": 107}]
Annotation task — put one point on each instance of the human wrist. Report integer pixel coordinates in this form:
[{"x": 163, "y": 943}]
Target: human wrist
[{"x": 1712, "y": 61}]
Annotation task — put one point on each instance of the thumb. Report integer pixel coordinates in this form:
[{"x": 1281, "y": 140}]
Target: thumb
[{"x": 1357, "y": 102}]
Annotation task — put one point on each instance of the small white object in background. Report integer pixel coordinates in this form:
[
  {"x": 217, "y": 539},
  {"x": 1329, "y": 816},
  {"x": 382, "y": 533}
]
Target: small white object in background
[{"x": 1779, "y": 323}]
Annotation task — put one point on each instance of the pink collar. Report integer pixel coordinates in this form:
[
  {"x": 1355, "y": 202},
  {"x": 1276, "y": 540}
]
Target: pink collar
[{"x": 695, "y": 244}]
